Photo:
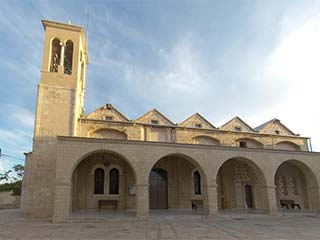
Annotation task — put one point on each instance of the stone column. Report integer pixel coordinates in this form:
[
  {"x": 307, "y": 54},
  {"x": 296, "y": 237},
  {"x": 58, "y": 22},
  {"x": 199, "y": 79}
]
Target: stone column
[
  {"x": 142, "y": 199},
  {"x": 61, "y": 208},
  {"x": 313, "y": 197},
  {"x": 239, "y": 198},
  {"x": 272, "y": 200},
  {"x": 61, "y": 67},
  {"x": 212, "y": 199}
]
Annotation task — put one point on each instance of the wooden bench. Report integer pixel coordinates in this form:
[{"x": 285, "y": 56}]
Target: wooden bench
[
  {"x": 108, "y": 202},
  {"x": 287, "y": 203},
  {"x": 195, "y": 203}
]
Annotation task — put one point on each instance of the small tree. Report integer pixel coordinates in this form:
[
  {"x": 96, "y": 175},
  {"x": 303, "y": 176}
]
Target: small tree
[
  {"x": 5, "y": 176},
  {"x": 13, "y": 180}
]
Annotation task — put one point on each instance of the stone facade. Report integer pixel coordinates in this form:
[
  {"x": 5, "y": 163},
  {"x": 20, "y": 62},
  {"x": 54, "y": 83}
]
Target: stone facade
[{"x": 79, "y": 159}]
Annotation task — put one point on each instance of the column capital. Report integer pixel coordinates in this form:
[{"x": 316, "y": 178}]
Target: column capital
[
  {"x": 142, "y": 185},
  {"x": 212, "y": 186},
  {"x": 271, "y": 186}
]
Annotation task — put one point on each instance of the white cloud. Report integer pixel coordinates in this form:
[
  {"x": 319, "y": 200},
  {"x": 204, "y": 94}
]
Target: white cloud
[
  {"x": 295, "y": 65},
  {"x": 6, "y": 135},
  {"x": 17, "y": 114},
  {"x": 2, "y": 168}
]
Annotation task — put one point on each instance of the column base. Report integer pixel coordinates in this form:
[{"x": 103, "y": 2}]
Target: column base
[
  {"x": 273, "y": 212},
  {"x": 143, "y": 218},
  {"x": 59, "y": 220},
  {"x": 212, "y": 217}
]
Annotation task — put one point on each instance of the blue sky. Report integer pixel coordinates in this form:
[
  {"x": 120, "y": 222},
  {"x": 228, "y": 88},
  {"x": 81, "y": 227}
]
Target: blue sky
[{"x": 254, "y": 59}]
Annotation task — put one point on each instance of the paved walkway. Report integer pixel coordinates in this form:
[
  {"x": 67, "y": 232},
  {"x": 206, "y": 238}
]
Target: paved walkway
[{"x": 232, "y": 225}]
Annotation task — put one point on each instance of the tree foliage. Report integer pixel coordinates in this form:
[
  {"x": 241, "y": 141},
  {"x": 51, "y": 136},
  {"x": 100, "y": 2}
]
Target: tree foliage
[{"x": 13, "y": 180}]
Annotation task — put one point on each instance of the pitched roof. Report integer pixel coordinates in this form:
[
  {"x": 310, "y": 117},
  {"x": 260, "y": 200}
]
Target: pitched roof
[
  {"x": 200, "y": 116},
  {"x": 156, "y": 111},
  {"x": 274, "y": 120},
  {"x": 262, "y": 126},
  {"x": 111, "y": 107},
  {"x": 240, "y": 120}
]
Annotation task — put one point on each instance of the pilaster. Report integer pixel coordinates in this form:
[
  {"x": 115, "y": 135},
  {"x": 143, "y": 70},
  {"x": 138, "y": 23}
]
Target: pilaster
[
  {"x": 142, "y": 198},
  {"x": 272, "y": 200},
  {"x": 212, "y": 198},
  {"x": 61, "y": 206}
]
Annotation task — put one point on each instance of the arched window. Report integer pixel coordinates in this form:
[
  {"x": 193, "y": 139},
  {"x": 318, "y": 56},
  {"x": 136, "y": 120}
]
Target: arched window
[
  {"x": 114, "y": 181},
  {"x": 197, "y": 183},
  {"x": 68, "y": 57},
  {"x": 242, "y": 144},
  {"x": 55, "y": 55},
  {"x": 99, "y": 181}
]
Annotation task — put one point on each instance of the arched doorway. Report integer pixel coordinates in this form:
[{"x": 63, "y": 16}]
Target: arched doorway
[
  {"x": 249, "y": 196},
  {"x": 296, "y": 183},
  {"x": 177, "y": 182},
  {"x": 101, "y": 181},
  {"x": 158, "y": 189},
  {"x": 241, "y": 185}
]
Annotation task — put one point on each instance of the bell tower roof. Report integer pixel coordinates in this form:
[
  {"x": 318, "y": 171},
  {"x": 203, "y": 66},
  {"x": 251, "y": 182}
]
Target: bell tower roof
[{"x": 69, "y": 27}]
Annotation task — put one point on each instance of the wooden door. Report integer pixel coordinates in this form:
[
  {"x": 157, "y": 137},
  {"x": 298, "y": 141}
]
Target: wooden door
[
  {"x": 249, "y": 196},
  {"x": 158, "y": 189}
]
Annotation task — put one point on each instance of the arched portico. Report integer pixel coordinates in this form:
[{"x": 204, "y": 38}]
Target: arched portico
[
  {"x": 208, "y": 161},
  {"x": 108, "y": 172},
  {"x": 241, "y": 185},
  {"x": 296, "y": 182},
  {"x": 75, "y": 182},
  {"x": 172, "y": 184}
]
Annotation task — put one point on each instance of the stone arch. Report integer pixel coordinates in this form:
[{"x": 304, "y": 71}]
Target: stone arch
[
  {"x": 188, "y": 158},
  {"x": 82, "y": 194},
  {"x": 206, "y": 140},
  {"x": 249, "y": 143},
  {"x": 295, "y": 180},
  {"x": 233, "y": 176},
  {"x": 55, "y": 54},
  {"x": 108, "y": 133},
  {"x": 287, "y": 145},
  {"x": 180, "y": 169},
  {"x": 84, "y": 156}
]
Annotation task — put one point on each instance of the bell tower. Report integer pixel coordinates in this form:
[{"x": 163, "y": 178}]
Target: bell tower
[{"x": 60, "y": 99}]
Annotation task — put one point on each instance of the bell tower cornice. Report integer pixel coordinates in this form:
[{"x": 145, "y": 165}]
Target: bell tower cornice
[{"x": 69, "y": 27}]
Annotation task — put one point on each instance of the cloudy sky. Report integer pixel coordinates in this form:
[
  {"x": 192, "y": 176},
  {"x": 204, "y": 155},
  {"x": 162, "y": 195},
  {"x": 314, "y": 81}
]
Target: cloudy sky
[{"x": 254, "y": 59}]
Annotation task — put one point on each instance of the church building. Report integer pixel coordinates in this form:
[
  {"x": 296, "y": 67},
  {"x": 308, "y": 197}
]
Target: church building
[{"x": 103, "y": 160}]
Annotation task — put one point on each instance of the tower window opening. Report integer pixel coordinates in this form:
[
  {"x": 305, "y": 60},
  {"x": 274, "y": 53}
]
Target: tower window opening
[
  {"x": 68, "y": 58},
  {"x": 55, "y": 55},
  {"x": 277, "y": 132}
]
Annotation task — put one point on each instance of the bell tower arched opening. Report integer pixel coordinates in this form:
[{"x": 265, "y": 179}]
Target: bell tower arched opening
[
  {"x": 68, "y": 57},
  {"x": 55, "y": 55}
]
